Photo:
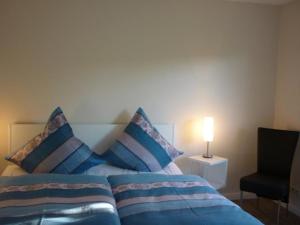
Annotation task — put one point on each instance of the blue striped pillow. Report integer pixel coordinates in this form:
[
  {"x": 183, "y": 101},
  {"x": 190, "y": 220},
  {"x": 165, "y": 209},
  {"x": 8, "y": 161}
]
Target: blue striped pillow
[
  {"x": 55, "y": 150},
  {"x": 141, "y": 147}
]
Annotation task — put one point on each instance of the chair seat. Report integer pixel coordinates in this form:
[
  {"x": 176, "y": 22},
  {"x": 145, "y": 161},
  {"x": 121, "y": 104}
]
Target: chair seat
[{"x": 275, "y": 188}]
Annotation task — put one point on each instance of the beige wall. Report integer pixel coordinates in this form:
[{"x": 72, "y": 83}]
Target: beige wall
[
  {"x": 180, "y": 60},
  {"x": 287, "y": 107}
]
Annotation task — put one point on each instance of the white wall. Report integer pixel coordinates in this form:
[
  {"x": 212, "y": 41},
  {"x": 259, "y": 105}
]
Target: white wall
[
  {"x": 287, "y": 109},
  {"x": 180, "y": 60}
]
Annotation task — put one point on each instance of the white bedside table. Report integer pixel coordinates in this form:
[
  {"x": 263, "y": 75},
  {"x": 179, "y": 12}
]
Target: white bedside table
[{"x": 214, "y": 170}]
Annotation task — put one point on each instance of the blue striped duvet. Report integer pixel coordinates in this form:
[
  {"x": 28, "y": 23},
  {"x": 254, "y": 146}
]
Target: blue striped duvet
[
  {"x": 147, "y": 199},
  {"x": 57, "y": 199}
]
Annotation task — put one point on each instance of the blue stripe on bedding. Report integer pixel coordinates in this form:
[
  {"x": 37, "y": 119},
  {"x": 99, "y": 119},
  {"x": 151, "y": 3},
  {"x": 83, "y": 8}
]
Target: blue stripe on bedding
[
  {"x": 78, "y": 157},
  {"x": 109, "y": 156},
  {"x": 170, "y": 205},
  {"x": 47, "y": 147},
  {"x": 54, "y": 192},
  {"x": 121, "y": 152},
  {"x": 84, "y": 219},
  {"x": 151, "y": 177},
  {"x": 60, "y": 197},
  {"x": 35, "y": 208},
  {"x": 219, "y": 215},
  {"x": 173, "y": 200},
  {"x": 93, "y": 160},
  {"x": 145, "y": 140},
  {"x": 165, "y": 191},
  {"x": 50, "y": 178}
]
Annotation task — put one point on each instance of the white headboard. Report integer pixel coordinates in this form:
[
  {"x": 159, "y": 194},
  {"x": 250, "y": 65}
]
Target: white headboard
[{"x": 98, "y": 136}]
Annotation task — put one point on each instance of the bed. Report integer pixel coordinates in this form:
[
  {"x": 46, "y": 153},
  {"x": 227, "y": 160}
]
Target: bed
[{"x": 118, "y": 196}]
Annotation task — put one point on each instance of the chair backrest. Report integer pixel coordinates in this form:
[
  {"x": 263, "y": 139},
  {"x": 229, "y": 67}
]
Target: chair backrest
[{"x": 275, "y": 151}]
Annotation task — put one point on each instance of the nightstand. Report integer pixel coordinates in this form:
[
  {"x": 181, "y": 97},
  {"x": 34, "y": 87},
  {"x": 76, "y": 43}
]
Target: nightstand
[{"x": 214, "y": 170}]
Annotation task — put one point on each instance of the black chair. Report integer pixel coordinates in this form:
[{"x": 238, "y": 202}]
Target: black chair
[{"x": 275, "y": 151}]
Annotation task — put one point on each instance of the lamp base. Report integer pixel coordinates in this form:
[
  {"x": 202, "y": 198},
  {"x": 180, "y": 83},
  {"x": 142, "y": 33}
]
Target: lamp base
[{"x": 208, "y": 156}]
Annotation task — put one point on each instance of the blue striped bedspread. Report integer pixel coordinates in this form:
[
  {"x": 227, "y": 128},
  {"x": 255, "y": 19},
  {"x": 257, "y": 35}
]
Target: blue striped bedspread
[
  {"x": 147, "y": 199},
  {"x": 54, "y": 199}
]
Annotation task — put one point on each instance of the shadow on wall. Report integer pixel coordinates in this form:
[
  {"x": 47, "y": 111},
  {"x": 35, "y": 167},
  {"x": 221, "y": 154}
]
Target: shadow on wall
[{"x": 123, "y": 118}]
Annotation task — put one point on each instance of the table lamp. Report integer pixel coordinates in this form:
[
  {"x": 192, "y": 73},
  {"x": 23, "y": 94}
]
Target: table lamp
[{"x": 208, "y": 134}]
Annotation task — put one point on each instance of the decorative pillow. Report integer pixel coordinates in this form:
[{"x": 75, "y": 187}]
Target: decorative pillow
[
  {"x": 141, "y": 147},
  {"x": 55, "y": 150}
]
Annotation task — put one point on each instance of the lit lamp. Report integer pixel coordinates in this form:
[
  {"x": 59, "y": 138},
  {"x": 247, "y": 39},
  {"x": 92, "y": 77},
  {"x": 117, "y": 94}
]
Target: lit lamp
[{"x": 208, "y": 134}]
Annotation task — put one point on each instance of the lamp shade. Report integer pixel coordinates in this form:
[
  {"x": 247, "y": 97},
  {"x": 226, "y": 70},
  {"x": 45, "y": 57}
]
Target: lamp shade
[{"x": 208, "y": 129}]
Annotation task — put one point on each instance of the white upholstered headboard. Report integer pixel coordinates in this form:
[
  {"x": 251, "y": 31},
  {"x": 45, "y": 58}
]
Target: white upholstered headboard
[{"x": 98, "y": 136}]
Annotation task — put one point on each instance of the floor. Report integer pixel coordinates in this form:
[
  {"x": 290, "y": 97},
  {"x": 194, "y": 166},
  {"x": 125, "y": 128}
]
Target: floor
[{"x": 266, "y": 212}]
